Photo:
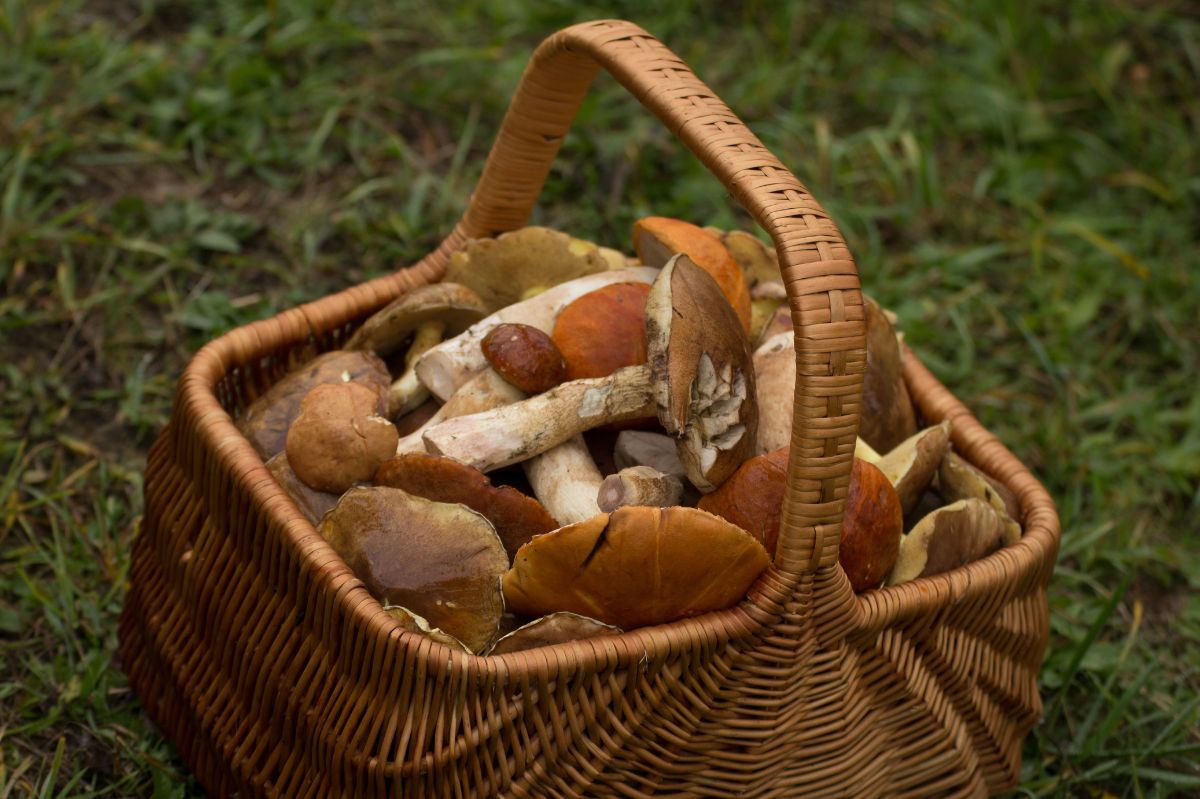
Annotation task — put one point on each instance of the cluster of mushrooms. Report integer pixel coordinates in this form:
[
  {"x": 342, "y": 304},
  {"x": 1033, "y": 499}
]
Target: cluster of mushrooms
[{"x": 560, "y": 442}]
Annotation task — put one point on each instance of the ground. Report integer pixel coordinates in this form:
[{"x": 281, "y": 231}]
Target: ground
[{"x": 1018, "y": 180}]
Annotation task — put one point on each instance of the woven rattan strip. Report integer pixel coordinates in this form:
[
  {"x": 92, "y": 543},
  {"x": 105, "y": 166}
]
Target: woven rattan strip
[{"x": 276, "y": 674}]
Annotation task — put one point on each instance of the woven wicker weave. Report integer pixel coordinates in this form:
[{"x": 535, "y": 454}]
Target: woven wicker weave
[{"x": 263, "y": 657}]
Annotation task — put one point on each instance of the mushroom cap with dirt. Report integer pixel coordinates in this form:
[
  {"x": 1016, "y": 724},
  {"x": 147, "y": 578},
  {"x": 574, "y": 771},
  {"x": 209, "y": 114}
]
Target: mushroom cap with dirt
[
  {"x": 439, "y": 560},
  {"x": 636, "y": 566}
]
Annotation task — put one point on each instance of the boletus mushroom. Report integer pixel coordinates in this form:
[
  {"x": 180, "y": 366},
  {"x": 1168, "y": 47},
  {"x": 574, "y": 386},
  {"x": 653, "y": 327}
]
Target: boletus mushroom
[
  {"x": 338, "y": 439},
  {"x": 556, "y": 628},
  {"x": 952, "y": 536},
  {"x": 887, "y": 416},
  {"x": 911, "y": 465},
  {"x": 958, "y": 479},
  {"x": 698, "y": 379},
  {"x": 525, "y": 357},
  {"x": 312, "y": 503},
  {"x": 603, "y": 331},
  {"x": 439, "y": 560},
  {"x": 636, "y": 566},
  {"x": 416, "y": 623}
]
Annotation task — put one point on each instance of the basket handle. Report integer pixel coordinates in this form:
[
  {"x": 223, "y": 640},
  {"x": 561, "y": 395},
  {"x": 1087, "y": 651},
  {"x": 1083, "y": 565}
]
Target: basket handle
[{"x": 818, "y": 270}]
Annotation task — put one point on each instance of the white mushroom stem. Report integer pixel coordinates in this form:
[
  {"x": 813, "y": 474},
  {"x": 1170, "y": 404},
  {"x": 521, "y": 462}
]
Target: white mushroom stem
[
  {"x": 646, "y": 448},
  {"x": 565, "y": 480},
  {"x": 484, "y": 391},
  {"x": 447, "y": 366},
  {"x": 639, "y": 485},
  {"x": 517, "y": 432},
  {"x": 408, "y": 392}
]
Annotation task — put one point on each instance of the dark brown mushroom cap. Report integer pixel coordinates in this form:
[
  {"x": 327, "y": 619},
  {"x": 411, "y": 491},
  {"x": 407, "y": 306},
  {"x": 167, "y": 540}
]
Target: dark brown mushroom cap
[
  {"x": 516, "y": 517},
  {"x": 638, "y": 565},
  {"x": 312, "y": 503},
  {"x": 453, "y": 304},
  {"x": 265, "y": 422},
  {"x": 524, "y": 356},
  {"x": 416, "y": 623},
  {"x": 887, "y": 416},
  {"x": 442, "y": 561},
  {"x": 872, "y": 527},
  {"x": 338, "y": 439},
  {"x": 952, "y": 536},
  {"x": 703, "y": 375},
  {"x": 557, "y": 628}
]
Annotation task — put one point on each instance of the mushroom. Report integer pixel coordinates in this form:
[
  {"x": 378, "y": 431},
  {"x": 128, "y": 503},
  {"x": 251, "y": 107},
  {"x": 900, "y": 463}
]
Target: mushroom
[
  {"x": 887, "y": 415},
  {"x": 566, "y": 481},
  {"x": 417, "y": 418},
  {"x": 698, "y": 380},
  {"x": 516, "y": 517},
  {"x": 759, "y": 262},
  {"x": 522, "y": 263},
  {"x": 766, "y": 300},
  {"x": 603, "y": 331},
  {"x": 482, "y": 392},
  {"x": 444, "y": 368},
  {"x": 647, "y": 448},
  {"x": 911, "y": 465},
  {"x": 958, "y": 479},
  {"x": 753, "y": 497},
  {"x": 525, "y": 357},
  {"x": 639, "y": 485},
  {"x": 428, "y": 314},
  {"x": 775, "y": 379},
  {"x": 312, "y": 503},
  {"x": 636, "y": 566},
  {"x": 266, "y": 420},
  {"x": 338, "y": 439},
  {"x": 780, "y": 321},
  {"x": 950, "y": 537},
  {"x": 416, "y": 623},
  {"x": 657, "y": 239},
  {"x": 439, "y": 560},
  {"x": 556, "y": 628}
]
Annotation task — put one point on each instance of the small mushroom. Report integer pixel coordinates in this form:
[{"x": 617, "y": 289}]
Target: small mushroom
[
  {"x": 516, "y": 517},
  {"x": 265, "y": 421},
  {"x": 525, "y": 357},
  {"x": 446, "y": 367},
  {"x": 416, "y": 623},
  {"x": 312, "y": 503},
  {"x": 639, "y": 485},
  {"x": 428, "y": 314},
  {"x": 911, "y": 465},
  {"x": 338, "y": 439},
  {"x": 636, "y": 566},
  {"x": 657, "y": 239},
  {"x": 952, "y": 536},
  {"x": 604, "y": 330},
  {"x": 556, "y": 628},
  {"x": 958, "y": 479},
  {"x": 522, "y": 263},
  {"x": 887, "y": 415},
  {"x": 697, "y": 379},
  {"x": 439, "y": 560}
]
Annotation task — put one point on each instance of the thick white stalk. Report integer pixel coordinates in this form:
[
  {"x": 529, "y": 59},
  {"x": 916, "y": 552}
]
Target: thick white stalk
[
  {"x": 484, "y": 391},
  {"x": 565, "y": 480}
]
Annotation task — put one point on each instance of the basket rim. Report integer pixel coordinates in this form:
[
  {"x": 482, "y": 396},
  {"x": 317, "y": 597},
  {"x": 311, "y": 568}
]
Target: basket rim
[{"x": 739, "y": 625}]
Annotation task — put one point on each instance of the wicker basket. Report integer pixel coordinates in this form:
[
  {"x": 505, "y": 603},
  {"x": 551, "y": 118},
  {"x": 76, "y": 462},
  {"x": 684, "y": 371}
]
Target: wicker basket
[{"x": 275, "y": 672}]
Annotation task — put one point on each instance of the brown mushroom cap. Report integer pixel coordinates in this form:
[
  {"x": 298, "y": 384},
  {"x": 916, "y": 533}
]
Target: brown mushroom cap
[
  {"x": 312, "y": 503},
  {"x": 910, "y": 466},
  {"x": 636, "y": 566},
  {"x": 887, "y": 416},
  {"x": 703, "y": 376},
  {"x": 415, "y": 419},
  {"x": 440, "y": 560},
  {"x": 265, "y": 422},
  {"x": 958, "y": 479},
  {"x": 516, "y": 517},
  {"x": 758, "y": 261},
  {"x": 557, "y": 628},
  {"x": 872, "y": 527},
  {"x": 525, "y": 357},
  {"x": 338, "y": 439},
  {"x": 951, "y": 536},
  {"x": 452, "y": 304},
  {"x": 416, "y": 623},
  {"x": 518, "y": 264},
  {"x": 657, "y": 239},
  {"x": 779, "y": 322},
  {"x": 603, "y": 331},
  {"x": 753, "y": 497}
]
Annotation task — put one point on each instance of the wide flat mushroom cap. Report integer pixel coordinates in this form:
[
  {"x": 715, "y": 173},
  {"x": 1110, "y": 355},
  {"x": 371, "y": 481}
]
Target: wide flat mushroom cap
[
  {"x": 440, "y": 560},
  {"x": 265, "y": 422},
  {"x": 516, "y": 517},
  {"x": 703, "y": 374},
  {"x": 556, "y": 628},
  {"x": 453, "y": 304},
  {"x": 521, "y": 262},
  {"x": 952, "y": 536},
  {"x": 638, "y": 565}
]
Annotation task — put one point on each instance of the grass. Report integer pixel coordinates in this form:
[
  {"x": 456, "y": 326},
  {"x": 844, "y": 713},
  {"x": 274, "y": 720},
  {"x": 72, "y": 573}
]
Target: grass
[{"x": 1018, "y": 180}]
